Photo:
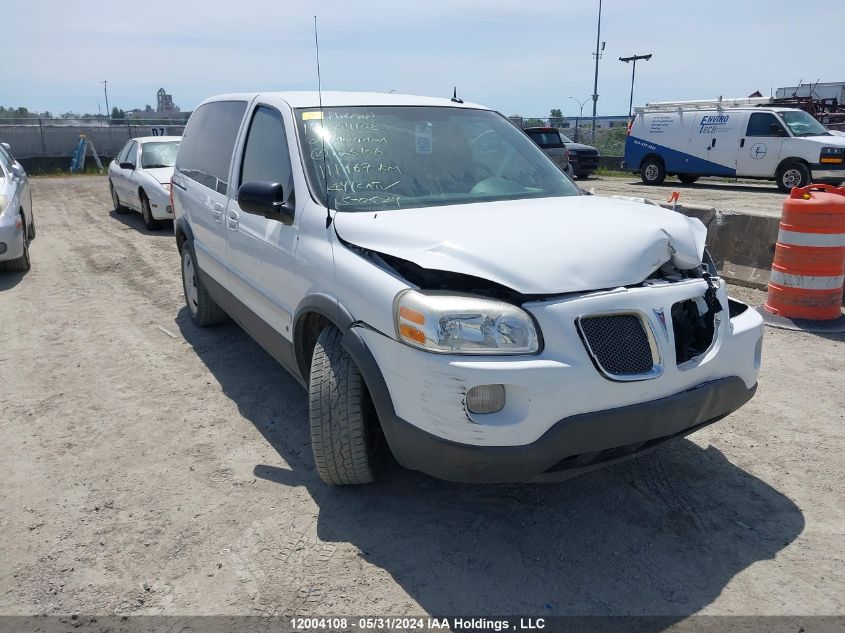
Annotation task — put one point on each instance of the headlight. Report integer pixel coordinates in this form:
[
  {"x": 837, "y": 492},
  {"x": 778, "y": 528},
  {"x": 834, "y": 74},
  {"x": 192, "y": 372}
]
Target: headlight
[
  {"x": 832, "y": 155},
  {"x": 166, "y": 186},
  {"x": 2, "y": 204},
  {"x": 463, "y": 324}
]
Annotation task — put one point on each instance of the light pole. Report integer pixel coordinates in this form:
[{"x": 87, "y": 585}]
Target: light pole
[
  {"x": 580, "y": 115},
  {"x": 597, "y": 55},
  {"x": 633, "y": 58},
  {"x": 105, "y": 83}
]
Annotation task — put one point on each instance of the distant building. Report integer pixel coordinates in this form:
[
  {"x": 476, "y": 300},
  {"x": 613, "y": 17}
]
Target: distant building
[
  {"x": 165, "y": 109},
  {"x": 165, "y": 103}
]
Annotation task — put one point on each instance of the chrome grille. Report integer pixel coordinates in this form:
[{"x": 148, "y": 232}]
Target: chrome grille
[{"x": 619, "y": 345}]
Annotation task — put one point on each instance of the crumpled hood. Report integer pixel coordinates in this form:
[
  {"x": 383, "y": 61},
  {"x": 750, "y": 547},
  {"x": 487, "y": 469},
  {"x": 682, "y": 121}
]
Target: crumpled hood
[{"x": 537, "y": 246}]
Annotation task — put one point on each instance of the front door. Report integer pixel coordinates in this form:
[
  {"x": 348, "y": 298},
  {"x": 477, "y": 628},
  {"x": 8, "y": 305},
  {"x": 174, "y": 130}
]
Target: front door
[
  {"x": 759, "y": 150},
  {"x": 261, "y": 251}
]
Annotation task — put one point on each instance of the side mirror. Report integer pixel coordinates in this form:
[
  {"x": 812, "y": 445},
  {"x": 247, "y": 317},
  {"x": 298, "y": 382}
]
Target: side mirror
[
  {"x": 266, "y": 199},
  {"x": 126, "y": 165}
]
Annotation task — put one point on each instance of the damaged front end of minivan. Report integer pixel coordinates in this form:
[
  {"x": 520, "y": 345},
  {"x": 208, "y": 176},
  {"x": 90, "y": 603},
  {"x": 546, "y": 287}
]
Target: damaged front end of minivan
[{"x": 595, "y": 362}]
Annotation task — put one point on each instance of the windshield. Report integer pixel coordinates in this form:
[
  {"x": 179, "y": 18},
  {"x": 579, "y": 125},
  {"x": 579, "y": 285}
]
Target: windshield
[
  {"x": 803, "y": 124},
  {"x": 383, "y": 157},
  {"x": 159, "y": 154}
]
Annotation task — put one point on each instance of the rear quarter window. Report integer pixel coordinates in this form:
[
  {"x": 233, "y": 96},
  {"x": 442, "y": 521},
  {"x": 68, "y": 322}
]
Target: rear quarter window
[{"x": 208, "y": 142}]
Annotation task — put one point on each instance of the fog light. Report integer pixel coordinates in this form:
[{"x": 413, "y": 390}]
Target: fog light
[
  {"x": 486, "y": 398},
  {"x": 3, "y": 247},
  {"x": 169, "y": 209}
]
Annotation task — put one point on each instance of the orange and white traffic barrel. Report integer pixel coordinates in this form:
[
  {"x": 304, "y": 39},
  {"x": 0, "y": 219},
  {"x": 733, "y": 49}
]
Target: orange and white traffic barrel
[{"x": 808, "y": 271}]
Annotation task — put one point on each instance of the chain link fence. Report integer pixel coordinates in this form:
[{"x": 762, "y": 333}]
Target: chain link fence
[{"x": 609, "y": 136}]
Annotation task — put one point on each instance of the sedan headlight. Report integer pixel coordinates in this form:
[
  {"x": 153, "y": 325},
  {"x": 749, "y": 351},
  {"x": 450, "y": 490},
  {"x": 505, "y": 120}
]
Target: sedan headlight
[
  {"x": 2, "y": 204},
  {"x": 463, "y": 324},
  {"x": 166, "y": 186}
]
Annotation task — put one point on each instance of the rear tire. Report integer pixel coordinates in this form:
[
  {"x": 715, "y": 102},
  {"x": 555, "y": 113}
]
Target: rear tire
[
  {"x": 115, "y": 200},
  {"x": 202, "y": 308},
  {"x": 653, "y": 171},
  {"x": 583, "y": 175},
  {"x": 146, "y": 212},
  {"x": 793, "y": 174},
  {"x": 687, "y": 179},
  {"x": 345, "y": 435},
  {"x": 22, "y": 263}
]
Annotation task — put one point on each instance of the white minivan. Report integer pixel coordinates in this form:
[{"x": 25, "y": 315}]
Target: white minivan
[
  {"x": 445, "y": 293},
  {"x": 742, "y": 138}
]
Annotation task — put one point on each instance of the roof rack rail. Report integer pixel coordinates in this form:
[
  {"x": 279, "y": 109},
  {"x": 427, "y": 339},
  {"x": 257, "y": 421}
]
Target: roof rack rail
[{"x": 739, "y": 102}]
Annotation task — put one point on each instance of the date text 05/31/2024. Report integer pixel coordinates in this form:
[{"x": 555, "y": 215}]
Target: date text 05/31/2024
[{"x": 412, "y": 623}]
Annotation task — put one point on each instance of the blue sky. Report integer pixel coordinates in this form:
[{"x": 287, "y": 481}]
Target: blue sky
[{"x": 515, "y": 57}]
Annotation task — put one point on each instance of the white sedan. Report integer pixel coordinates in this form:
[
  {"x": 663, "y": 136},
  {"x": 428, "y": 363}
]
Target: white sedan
[{"x": 139, "y": 178}]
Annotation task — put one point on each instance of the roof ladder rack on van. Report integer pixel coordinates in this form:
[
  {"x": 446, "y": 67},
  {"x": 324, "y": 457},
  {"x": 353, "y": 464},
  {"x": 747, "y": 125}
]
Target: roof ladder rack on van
[{"x": 707, "y": 104}]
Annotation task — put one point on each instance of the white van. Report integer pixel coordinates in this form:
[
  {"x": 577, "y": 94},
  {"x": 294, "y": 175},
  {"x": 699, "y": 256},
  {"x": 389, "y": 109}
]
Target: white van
[
  {"x": 445, "y": 293},
  {"x": 742, "y": 138}
]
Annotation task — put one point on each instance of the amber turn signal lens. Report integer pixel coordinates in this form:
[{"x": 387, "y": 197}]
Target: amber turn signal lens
[
  {"x": 412, "y": 333},
  {"x": 412, "y": 315}
]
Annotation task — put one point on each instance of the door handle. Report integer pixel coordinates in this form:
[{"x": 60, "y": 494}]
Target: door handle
[
  {"x": 218, "y": 212},
  {"x": 742, "y": 142},
  {"x": 232, "y": 219}
]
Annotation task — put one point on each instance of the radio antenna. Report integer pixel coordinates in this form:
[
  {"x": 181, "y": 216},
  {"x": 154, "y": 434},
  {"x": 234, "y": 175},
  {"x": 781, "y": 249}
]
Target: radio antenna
[{"x": 322, "y": 126}]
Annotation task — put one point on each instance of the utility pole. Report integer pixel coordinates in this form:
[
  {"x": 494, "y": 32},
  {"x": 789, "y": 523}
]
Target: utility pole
[
  {"x": 597, "y": 55},
  {"x": 105, "y": 83},
  {"x": 580, "y": 115},
  {"x": 633, "y": 58}
]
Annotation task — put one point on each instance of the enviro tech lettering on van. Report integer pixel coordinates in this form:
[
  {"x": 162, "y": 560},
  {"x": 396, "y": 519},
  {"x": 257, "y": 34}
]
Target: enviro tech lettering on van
[{"x": 710, "y": 124}]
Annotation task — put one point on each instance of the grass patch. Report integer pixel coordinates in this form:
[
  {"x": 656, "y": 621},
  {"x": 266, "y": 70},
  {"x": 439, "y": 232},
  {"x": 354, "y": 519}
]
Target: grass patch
[{"x": 612, "y": 173}]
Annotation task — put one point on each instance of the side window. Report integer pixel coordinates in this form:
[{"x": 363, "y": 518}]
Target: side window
[
  {"x": 266, "y": 154},
  {"x": 764, "y": 124},
  {"x": 130, "y": 153},
  {"x": 6, "y": 162},
  {"x": 205, "y": 153},
  {"x": 121, "y": 157}
]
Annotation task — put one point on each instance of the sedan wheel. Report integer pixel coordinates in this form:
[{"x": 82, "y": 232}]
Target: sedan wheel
[{"x": 149, "y": 221}]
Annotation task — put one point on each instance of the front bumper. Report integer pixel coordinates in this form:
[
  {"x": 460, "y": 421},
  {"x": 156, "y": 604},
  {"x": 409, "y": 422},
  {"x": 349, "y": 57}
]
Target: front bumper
[
  {"x": 573, "y": 445},
  {"x": 11, "y": 236},
  {"x": 821, "y": 172},
  {"x": 584, "y": 164},
  {"x": 160, "y": 204},
  {"x": 560, "y": 385}
]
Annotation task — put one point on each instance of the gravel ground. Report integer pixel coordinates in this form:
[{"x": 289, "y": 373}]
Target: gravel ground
[
  {"x": 152, "y": 467},
  {"x": 748, "y": 196}
]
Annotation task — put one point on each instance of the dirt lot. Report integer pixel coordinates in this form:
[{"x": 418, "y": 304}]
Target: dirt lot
[
  {"x": 747, "y": 196},
  {"x": 152, "y": 467}
]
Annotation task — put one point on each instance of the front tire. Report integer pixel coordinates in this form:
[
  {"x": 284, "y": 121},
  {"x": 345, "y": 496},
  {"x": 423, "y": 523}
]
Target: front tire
[
  {"x": 687, "y": 179},
  {"x": 202, "y": 308},
  {"x": 22, "y": 264},
  {"x": 345, "y": 435},
  {"x": 115, "y": 200},
  {"x": 794, "y": 174},
  {"x": 653, "y": 171},
  {"x": 146, "y": 212}
]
